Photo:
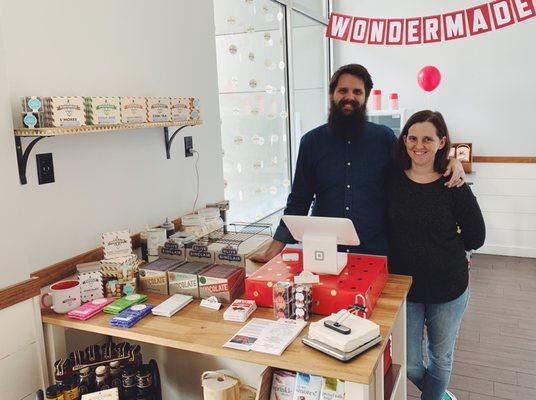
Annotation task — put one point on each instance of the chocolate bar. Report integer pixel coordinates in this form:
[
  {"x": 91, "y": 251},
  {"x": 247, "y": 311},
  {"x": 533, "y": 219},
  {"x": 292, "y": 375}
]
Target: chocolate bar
[{"x": 129, "y": 317}]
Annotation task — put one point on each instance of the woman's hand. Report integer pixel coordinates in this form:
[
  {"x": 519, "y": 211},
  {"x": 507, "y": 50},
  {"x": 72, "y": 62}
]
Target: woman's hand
[{"x": 458, "y": 174}]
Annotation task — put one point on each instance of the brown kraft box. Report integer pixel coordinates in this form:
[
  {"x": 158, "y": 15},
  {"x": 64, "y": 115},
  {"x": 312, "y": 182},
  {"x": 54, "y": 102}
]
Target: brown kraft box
[{"x": 225, "y": 282}]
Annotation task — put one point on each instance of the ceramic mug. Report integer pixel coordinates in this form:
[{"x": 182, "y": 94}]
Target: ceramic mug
[{"x": 64, "y": 296}]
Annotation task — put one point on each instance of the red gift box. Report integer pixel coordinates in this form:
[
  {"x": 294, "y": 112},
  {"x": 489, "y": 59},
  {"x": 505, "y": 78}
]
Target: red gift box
[{"x": 356, "y": 288}]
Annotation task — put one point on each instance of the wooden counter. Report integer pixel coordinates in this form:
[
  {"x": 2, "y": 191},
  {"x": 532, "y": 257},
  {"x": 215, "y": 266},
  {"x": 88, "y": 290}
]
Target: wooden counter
[{"x": 201, "y": 330}]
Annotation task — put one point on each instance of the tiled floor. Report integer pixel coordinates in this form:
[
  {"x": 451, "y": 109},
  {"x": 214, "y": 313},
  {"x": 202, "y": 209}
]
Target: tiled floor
[{"x": 495, "y": 356}]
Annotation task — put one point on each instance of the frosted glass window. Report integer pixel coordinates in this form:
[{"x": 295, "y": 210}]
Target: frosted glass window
[
  {"x": 316, "y": 8},
  {"x": 252, "y": 78},
  {"x": 310, "y": 70}
]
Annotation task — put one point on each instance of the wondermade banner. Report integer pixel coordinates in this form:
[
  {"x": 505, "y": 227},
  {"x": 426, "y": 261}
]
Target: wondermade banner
[{"x": 453, "y": 25}]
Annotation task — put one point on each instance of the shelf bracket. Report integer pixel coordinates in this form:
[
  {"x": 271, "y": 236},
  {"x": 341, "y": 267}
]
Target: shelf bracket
[
  {"x": 170, "y": 140},
  {"x": 22, "y": 156}
]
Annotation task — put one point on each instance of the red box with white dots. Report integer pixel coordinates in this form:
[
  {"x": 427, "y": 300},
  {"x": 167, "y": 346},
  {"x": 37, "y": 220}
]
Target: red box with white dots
[{"x": 356, "y": 288}]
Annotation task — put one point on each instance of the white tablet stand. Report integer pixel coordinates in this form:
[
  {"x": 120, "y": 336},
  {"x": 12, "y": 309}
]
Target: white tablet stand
[{"x": 320, "y": 237}]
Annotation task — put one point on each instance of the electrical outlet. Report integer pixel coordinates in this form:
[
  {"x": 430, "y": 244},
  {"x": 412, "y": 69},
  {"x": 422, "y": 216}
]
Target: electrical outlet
[
  {"x": 188, "y": 146},
  {"x": 45, "y": 168}
]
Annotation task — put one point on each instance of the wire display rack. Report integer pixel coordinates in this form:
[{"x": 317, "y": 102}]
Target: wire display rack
[{"x": 235, "y": 234}]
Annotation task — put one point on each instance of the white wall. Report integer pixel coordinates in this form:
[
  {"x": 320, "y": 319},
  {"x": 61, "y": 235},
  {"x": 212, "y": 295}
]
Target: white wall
[
  {"x": 103, "y": 181},
  {"x": 486, "y": 96},
  {"x": 486, "y": 93}
]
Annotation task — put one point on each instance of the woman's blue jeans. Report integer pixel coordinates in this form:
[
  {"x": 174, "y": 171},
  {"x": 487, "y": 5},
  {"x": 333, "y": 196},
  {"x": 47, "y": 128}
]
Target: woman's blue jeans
[{"x": 442, "y": 324}]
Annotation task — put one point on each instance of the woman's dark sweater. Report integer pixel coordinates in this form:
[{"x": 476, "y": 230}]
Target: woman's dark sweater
[{"x": 424, "y": 239}]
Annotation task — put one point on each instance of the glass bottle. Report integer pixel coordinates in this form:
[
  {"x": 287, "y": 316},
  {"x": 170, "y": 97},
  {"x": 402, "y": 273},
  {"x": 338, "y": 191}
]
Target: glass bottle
[
  {"x": 87, "y": 381},
  {"x": 115, "y": 375},
  {"x": 128, "y": 382},
  {"x": 54, "y": 392},
  {"x": 71, "y": 389},
  {"x": 102, "y": 381},
  {"x": 144, "y": 383}
]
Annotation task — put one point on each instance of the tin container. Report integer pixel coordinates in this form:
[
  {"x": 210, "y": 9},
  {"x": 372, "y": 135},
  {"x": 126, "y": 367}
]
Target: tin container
[{"x": 155, "y": 237}]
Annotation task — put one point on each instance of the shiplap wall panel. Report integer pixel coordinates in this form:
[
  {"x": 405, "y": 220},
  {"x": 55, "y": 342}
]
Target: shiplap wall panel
[
  {"x": 21, "y": 330},
  {"x": 507, "y": 196},
  {"x": 501, "y": 203},
  {"x": 510, "y": 221},
  {"x": 21, "y": 374}
]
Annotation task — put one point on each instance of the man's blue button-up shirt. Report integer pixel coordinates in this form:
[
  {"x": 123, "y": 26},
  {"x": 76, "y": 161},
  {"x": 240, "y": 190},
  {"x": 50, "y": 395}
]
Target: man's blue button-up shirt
[{"x": 345, "y": 178}]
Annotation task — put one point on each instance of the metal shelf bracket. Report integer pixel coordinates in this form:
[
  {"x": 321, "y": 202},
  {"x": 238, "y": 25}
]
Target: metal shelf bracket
[
  {"x": 22, "y": 156},
  {"x": 169, "y": 140}
]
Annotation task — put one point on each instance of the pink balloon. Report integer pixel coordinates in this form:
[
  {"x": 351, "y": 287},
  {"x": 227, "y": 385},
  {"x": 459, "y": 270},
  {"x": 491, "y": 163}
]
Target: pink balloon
[{"x": 428, "y": 78}]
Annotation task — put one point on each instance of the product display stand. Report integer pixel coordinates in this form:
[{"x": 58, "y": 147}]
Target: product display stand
[{"x": 364, "y": 375}]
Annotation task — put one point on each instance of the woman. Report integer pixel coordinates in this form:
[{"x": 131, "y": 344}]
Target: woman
[{"x": 431, "y": 227}]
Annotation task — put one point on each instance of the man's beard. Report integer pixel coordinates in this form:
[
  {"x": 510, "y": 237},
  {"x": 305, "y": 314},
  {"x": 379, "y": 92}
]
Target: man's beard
[{"x": 348, "y": 126}]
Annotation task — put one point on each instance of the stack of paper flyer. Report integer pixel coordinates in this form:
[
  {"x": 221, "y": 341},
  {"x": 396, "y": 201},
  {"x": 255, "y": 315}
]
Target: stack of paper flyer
[{"x": 266, "y": 336}]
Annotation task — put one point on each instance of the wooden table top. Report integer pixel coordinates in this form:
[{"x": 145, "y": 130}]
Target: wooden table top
[{"x": 202, "y": 330}]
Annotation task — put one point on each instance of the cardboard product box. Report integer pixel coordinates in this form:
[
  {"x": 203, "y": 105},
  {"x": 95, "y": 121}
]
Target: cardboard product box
[
  {"x": 133, "y": 110},
  {"x": 153, "y": 277},
  {"x": 200, "y": 253},
  {"x": 158, "y": 109},
  {"x": 225, "y": 282},
  {"x": 33, "y": 120},
  {"x": 332, "y": 389},
  {"x": 360, "y": 283},
  {"x": 172, "y": 250},
  {"x": 90, "y": 278},
  {"x": 184, "y": 279},
  {"x": 65, "y": 111},
  {"x": 32, "y": 104},
  {"x": 101, "y": 110},
  {"x": 181, "y": 108}
]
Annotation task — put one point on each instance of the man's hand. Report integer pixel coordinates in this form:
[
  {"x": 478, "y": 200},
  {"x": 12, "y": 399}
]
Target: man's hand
[
  {"x": 458, "y": 174},
  {"x": 273, "y": 250}
]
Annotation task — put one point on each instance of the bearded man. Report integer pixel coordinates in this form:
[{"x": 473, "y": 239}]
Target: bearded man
[{"x": 342, "y": 167}]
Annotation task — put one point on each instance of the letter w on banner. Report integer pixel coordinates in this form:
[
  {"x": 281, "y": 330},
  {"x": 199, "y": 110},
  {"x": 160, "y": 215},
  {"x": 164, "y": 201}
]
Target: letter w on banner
[{"x": 339, "y": 26}]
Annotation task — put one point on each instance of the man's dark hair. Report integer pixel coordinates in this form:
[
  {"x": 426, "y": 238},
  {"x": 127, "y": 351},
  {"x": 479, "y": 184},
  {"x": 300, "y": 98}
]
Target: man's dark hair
[
  {"x": 356, "y": 70},
  {"x": 400, "y": 153}
]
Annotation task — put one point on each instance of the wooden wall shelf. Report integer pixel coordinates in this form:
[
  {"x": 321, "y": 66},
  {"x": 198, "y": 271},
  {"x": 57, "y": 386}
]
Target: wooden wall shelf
[
  {"x": 76, "y": 130},
  {"x": 40, "y": 133}
]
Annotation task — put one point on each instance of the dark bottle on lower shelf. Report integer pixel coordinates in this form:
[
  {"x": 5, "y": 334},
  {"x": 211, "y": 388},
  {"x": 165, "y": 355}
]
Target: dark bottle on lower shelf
[
  {"x": 128, "y": 383},
  {"x": 144, "y": 383},
  {"x": 87, "y": 381},
  {"x": 102, "y": 379}
]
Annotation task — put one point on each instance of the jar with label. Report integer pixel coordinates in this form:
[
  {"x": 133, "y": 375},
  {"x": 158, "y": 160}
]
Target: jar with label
[
  {"x": 155, "y": 237},
  {"x": 393, "y": 101},
  {"x": 376, "y": 99},
  {"x": 71, "y": 389},
  {"x": 54, "y": 392},
  {"x": 194, "y": 224},
  {"x": 143, "y": 245}
]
